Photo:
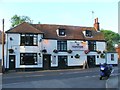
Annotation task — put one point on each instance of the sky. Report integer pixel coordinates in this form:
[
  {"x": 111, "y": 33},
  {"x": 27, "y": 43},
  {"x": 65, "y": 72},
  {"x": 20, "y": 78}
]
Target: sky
[{"x": 62, "y": 12}]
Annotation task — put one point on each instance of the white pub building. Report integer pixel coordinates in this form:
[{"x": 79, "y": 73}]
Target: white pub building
[{"x": 46, "y": 46}]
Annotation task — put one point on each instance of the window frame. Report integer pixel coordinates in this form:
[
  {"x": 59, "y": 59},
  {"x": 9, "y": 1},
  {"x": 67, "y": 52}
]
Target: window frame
[
  {"x": 31, "y": 39},
  {"x": 61, "y": 30},
  {"x": 22, "y": 55},
  {"x": 112, "y": 57},
  {"x": 92, "y": 45},
  {"x": 62, "y": 46},
  {"x": 88, "y": 33}
]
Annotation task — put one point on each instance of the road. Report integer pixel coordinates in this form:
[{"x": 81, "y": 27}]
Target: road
[{"x": 72, "y": 78}]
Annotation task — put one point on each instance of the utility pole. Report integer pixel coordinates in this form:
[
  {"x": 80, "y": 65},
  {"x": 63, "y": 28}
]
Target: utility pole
[{"x": 3, "y": 42}]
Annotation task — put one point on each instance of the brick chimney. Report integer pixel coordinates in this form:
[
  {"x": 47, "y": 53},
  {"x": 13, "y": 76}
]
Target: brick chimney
[{"x": 96, "y": 25}]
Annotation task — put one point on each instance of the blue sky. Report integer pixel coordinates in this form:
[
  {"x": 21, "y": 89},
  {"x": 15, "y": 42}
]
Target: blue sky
[{"x": 69, "y": 12}]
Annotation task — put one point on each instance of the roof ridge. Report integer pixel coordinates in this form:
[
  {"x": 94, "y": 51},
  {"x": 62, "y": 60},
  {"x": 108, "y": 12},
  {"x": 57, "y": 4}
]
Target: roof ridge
[{"x": 65, "y": 25}]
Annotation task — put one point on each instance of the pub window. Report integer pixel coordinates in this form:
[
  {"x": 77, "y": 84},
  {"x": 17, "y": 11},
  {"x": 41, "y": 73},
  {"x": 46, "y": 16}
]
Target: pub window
[
  {"x": 53, "y": 59},
  {"x": 88, "y": 33},
  {"x": 62, "y": 46},
  {"x": 92, "y": 45},
  {"x": 28, "y": 39},
  {"x": 28, "y": 58},
  {"x": 61, "y": 32},
  {"x": 112, "y": 57}
]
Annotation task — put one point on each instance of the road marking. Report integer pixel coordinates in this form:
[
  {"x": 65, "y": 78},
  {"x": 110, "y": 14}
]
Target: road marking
[
  {"x": 13, "y": 83},
  {"x": 22, "y": 76},
  {"x": 87, "y": 76}
]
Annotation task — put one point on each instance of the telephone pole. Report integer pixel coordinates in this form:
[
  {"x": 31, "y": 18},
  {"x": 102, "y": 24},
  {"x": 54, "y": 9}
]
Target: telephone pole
[{"x": 3, "y": 42}]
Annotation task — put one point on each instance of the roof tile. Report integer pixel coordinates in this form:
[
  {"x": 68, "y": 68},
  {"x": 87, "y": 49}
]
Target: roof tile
[
  {"x": 24, "y": 28},
  {"x": 49, "y": 31}
]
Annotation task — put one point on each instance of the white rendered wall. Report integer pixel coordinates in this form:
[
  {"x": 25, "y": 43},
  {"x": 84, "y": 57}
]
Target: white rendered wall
[
  {"x": 0, "y": 51},
  {"x": 108, "y": 59},
  {"x": 15, "y": 45},
  {"x": 50, "y": 45},
  {"x": 101, "y": 46},
  {"x": 83, "y": 57}
]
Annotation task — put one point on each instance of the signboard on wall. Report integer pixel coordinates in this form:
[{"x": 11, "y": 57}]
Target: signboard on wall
[{"x": 76, "y": 46}]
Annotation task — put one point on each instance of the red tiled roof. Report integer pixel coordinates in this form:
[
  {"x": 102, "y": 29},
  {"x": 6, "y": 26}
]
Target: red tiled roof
[
  {"x": 24, "y": 28},
  {"x": 49, "y": 31},
  {"x": 72, "y": 32}
]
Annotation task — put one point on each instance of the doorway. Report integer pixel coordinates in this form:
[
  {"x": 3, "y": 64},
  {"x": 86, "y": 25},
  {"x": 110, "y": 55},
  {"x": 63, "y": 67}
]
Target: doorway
[
  {"x": 91, "y": 61},
  {"x": 11, "y": 62},
  {"x": 46, "y": 61},
  {"x": 62, "y": 62}
]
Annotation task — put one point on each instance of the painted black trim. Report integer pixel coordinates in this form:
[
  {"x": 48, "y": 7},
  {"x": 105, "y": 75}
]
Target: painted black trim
[
  {"x": 111, "y": 52},
  {"x": 21, "y": 33},
  {"x": 74, "y": 39}
]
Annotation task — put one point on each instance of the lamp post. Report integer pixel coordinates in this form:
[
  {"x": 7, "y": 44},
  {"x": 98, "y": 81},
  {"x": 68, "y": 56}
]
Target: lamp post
[{"x": 3, "y": 67}]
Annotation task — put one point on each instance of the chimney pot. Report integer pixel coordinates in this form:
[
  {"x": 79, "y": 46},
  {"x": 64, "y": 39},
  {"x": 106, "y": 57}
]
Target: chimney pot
[
  {"x": 96, "y": 20},
  {"x": 96, "y": 24}
]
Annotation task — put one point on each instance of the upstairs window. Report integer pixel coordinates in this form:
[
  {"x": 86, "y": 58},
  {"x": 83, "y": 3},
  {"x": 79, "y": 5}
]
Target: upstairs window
[
  {"x": 28, "y": 39},
  {"x": 62, "y": 46},
  {"x": 88, "y": 33},
  {"x": 61, "y": 32},
  {"x": 92, "y": 45}
]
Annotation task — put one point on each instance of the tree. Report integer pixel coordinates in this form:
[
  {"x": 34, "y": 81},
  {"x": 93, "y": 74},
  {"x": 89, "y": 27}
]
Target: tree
[
  {"x": 16, "y": 20},
  {"x": 111, "y": 38},
  {"x": 39, "y": 22}
]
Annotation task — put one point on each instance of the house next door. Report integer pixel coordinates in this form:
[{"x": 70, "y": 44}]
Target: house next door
[
  {"x": 46, "y": 61},
  {"x": 11, "y": 62},
  {"x": 91, "y": 60}
]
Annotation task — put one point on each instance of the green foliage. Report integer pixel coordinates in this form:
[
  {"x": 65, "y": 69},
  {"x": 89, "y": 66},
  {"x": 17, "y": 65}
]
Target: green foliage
[
  {"x": 16, "y": 20},
  {"x": 111, "y": 38},
  {"x": 39, "y": 22}
]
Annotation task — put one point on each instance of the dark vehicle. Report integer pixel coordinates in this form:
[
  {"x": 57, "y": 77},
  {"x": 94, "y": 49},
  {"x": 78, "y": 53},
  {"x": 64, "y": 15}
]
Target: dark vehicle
[{"x": 105, "y": 71}]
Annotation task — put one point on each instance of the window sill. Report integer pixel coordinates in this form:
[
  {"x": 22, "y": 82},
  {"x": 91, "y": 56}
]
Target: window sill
[
  {"x": 28, "y": 45},
  {"x": 62, "y": 51}
]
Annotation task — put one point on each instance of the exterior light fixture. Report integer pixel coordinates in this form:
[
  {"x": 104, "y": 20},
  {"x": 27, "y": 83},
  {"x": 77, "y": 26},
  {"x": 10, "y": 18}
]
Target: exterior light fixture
[{"x": 11, "y": 39}]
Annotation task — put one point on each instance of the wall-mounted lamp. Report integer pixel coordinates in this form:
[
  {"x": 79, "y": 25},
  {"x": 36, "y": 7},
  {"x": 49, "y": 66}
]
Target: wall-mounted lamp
[
  {"x": 11, "y": 39},
  {"x": 40, "y": 40},
  {"x": 75, "y": 41},
  {"x": 39, "y": 54}
]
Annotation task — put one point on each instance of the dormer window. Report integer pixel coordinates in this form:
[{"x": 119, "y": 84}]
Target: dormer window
[
  {"x": 61, "y": 32},
  {"x": 88, "y": 33}
]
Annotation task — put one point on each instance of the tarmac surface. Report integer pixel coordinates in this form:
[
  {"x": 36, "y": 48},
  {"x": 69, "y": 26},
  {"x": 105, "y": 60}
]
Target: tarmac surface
[{"x": 68, "y": 78}]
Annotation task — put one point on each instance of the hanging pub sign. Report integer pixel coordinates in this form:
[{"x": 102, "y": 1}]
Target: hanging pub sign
[{"x": 76, "y": 46}]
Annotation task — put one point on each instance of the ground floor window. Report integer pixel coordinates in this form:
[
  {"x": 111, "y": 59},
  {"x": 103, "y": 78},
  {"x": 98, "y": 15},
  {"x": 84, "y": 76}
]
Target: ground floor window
[
  {"x": 28, "y": 58},
  {"x": 112, "y": 57}
]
